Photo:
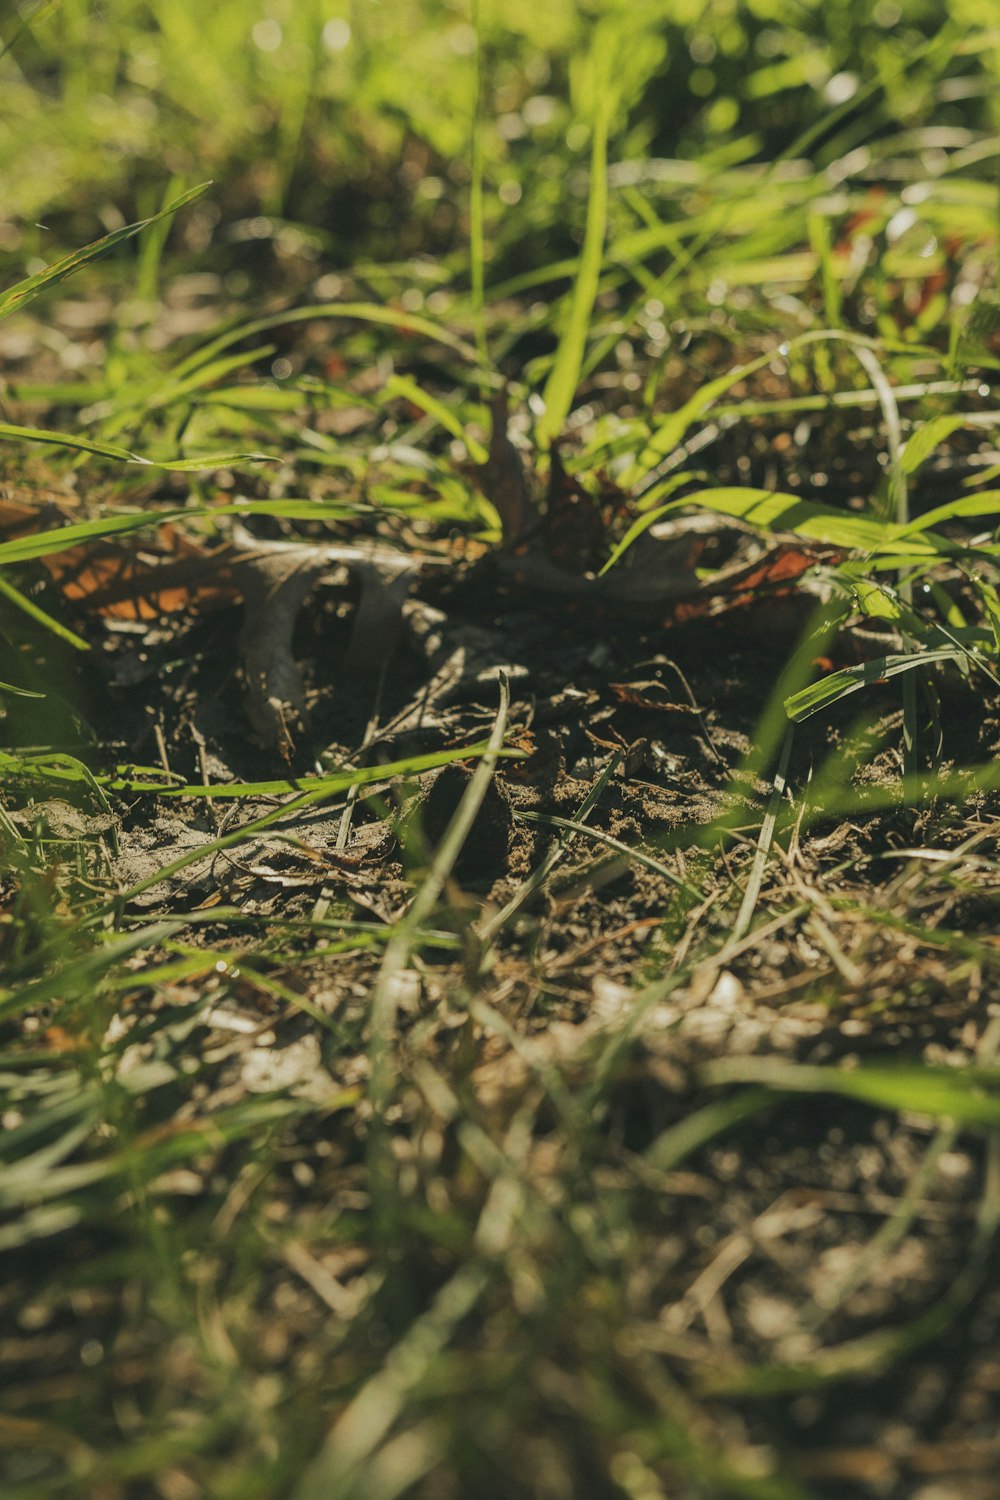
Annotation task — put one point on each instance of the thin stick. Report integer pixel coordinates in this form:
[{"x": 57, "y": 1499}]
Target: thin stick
[{"x": 751, "y": 894}]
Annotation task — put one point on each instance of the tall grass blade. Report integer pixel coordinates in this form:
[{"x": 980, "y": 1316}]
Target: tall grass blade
[
  {"x": 43, "y": 543},
  {"x": 564, "y": 378},
  {"x": 477, "y": 238},
  {"x": 968, "y": 1096},
  {"x": 755, "y": 882}
]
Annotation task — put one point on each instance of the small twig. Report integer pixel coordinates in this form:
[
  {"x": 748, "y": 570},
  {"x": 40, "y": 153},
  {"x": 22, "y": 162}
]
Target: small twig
[{"x": 751, "y": 894}]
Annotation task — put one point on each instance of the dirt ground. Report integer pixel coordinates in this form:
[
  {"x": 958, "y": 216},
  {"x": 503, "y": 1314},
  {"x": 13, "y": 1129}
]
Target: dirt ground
[{"x": 798, "y": 1284}]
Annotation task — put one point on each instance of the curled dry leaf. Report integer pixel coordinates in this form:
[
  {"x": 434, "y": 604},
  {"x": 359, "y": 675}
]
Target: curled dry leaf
[
  {"x": 173, "y": 572},
  {"x": 274, "y": 587},
  {"x": 275, "y": 578},
  {"x": 504, "y": 477},
  {"x": 661, "y": 579},
  {"x": 574, "y": 530},
  {"x": 385, "y": 582},
  {"x": 669, "y": 571}
]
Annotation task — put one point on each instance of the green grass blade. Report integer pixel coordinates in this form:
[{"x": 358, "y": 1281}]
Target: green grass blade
[
  {"x": 409, "y": 390},
  {"x": 968, "y": 1096},
  {"x": 11, "y": 433},
  {"x": 986, "y": 503},
  {"x": 776, "y": 510},
  {"x": 23, "y": 292},
  {"x": 837, "y": 685},
  {"x": 565, "y": 375},
  {"x": 40, "y": 617},
  {"x": 755, "y": 880},
  {"x": 68, "y": 770},
  {"x": 160, "y": 394},
  {"x": 921, "y": 445},
  {"x": 44, "y": 543},
  {"x": 374, "y": 313},
  {"x": 477, "y": 238}
]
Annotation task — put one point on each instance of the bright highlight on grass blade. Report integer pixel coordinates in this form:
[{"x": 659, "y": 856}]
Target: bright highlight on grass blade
[
  {"x": 69, "y": 770},
  {"x": 23, "y": 292},
  {"x": 41, "y": 617},
  {"x": 10, "y": 433},
  {"x": 838, "y": 685},
  {"x": 561, "y": 385},
  {"x": 969, "y": 1096},
  {"x": 44, "y": 543}
]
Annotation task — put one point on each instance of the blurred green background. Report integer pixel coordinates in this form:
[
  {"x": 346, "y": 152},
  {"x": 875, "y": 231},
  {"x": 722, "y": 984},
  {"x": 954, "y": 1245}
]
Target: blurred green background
[
  {"x": 343, "y": 129},
  {"x": 776, "y": 167}
]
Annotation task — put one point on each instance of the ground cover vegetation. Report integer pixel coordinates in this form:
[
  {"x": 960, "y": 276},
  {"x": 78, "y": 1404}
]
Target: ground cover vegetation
[{"x": 500, "y": 617}]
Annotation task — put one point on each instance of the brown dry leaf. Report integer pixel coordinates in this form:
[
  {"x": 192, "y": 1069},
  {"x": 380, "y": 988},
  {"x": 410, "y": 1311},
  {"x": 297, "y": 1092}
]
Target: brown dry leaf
[
  {"x": 174, "y": 573},
  {"x": 274, "y": 586},
  {"x": 651, "y": 694},
  {"x": 21, "y": 518},
  {"x": 504, "y": 477},
  {"x": 574, "y": 528},
  {"x": 127, "y": 584}
]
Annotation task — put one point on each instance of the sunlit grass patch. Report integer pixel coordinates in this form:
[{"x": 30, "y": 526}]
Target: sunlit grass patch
[{"x": 616, "y": 1159}]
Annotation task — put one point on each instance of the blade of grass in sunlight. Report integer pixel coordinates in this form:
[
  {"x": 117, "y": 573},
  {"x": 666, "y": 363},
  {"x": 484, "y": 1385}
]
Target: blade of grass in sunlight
[
  {"x": 84, "y": 971},
  {"x": 10, "y": 433},
  {"x": 773, "y": 510},
  {"x": 363, "y": 312},
  {"x": 409, "y": 390},
  {"x": 837, "y": 685},
  {"x": 23, "y": 292},
  {"x": 564, "y": 377},
  {"x": 153, "y": 245},
  {"x": 968, "y": 507},
  {"x": 970, "y": 1096},
  {"x": 67, "y": 769},
  {"x": 755, "y": 879},
  {"x": 477, "y": 233},
  {"x": 43, "y": 543},
  {"x": 899, "y": 510},
  {"x": 159, "y": 395},
  {"x": 35, "y": 612},
  {"x": 919, "y": 447},
  {"x": 844, "y": 400}
]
